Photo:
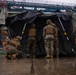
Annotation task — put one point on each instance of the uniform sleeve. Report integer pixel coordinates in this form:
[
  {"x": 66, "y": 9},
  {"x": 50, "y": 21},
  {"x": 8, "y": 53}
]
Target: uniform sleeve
[
  {"x": 56, "y": 32},
  {"x": 44, "y": 32}
]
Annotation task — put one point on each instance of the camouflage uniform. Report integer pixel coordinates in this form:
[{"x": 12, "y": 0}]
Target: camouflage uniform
[
  {"x": 49, "y": 36},
  {"x": 31, "y": 40},
  {"x": 11, "y": 47}
]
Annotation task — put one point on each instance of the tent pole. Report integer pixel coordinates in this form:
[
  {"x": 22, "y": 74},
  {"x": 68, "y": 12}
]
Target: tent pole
[
  {"x": 23, "y": 28},
  {"x": 64, "y": 31}
]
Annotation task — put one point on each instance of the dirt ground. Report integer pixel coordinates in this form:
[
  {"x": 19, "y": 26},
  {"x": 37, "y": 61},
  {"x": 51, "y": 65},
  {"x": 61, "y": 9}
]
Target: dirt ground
[{"x": 38, "y": 66}]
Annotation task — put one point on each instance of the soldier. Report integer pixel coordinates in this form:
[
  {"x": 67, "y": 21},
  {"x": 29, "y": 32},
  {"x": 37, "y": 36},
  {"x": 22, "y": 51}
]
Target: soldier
[
  {"x": 12, "y": 47},
  {"x": 31, "y": 40},
  {"x": 4, "y": 34},
  {"x": 49, "y": 35}
]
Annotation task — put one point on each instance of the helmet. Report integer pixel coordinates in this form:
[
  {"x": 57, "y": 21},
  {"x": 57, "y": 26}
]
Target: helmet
[
  {"x": 33, "y": 25},
  {"x": 48, "y": 21},
  {"x": 18, "y": 37}
]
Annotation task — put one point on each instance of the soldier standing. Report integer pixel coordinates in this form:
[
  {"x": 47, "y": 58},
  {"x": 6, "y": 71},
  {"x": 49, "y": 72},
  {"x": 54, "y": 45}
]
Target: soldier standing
[
  {"x": 31, "y": 40},
  {"x": 49, "y": 36}
]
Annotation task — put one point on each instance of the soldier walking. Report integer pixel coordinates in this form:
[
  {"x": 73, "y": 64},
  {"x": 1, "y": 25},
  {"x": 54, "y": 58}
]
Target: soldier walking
[
  {"x": 31, "y": 40},
  {"x": 49, "y": 32}
]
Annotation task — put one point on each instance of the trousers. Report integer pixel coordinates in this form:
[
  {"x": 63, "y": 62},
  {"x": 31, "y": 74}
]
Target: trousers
[{"x": 49, "y": 46}]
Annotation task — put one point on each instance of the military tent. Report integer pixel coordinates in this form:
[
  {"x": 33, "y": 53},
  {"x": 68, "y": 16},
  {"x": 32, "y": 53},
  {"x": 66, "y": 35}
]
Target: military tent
[{"x": 63, "y": 21}]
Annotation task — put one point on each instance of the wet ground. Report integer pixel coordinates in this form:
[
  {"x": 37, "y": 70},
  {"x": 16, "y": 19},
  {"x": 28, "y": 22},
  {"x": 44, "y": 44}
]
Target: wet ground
[{"x": 39, "y": 66}]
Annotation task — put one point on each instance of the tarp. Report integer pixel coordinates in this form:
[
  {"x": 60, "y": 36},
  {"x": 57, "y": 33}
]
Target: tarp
[
  {"x": 3, "y": 16},
  {"x": 16, "y": 24}
]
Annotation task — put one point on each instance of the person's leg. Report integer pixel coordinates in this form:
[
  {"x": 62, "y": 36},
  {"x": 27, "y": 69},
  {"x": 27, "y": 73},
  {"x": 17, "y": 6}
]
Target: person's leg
[
  {"x": 47, "y": 48},
  {"x": 51, "y": 48},
  {"x": 57, "y": 48},
  {"x": 4, "y": 45},
  {"x": 28, "y": 47},
  {"x": 8, "y": 56},
  {"x": 34, "y": 47}
]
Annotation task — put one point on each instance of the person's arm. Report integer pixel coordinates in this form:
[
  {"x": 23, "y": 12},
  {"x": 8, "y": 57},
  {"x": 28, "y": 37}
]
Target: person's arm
[
  {"x": 7, "y": 41},
  {"x": 56, "y": 32},
  {"x": 44, "y": 32},
  {"x": 11, "y": 42}
]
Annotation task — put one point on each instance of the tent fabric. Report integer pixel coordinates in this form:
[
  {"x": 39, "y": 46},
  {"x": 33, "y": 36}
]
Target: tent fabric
[
  {"x": 74, "y": 22},
  {"x": 16, "y": 24}
]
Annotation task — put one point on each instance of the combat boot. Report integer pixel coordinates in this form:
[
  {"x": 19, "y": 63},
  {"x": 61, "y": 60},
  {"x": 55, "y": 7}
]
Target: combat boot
[
  {"x": 47, "y": 56},
  {"x": 13, "y": 56},
  {"x": 28, "y": 55},
  {"x": 34, "y": 56}
]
